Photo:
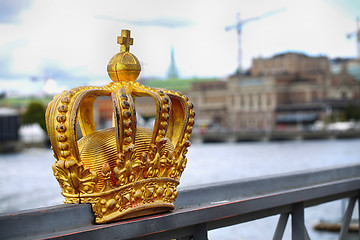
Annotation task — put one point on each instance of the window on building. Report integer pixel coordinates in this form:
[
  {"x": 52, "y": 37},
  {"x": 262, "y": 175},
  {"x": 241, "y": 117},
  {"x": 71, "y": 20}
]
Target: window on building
[
  {"x": 259, "y": 100},
  {"x": 268, "y": 100},
  {"x": 343, "y": 95}
]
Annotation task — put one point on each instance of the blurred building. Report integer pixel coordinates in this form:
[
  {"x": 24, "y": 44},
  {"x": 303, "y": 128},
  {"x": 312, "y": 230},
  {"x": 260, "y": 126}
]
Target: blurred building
[
  {"x": 352, "y": 66},
  {"x": 289, "y": 90},
  {"x": 290, "y": 64}
]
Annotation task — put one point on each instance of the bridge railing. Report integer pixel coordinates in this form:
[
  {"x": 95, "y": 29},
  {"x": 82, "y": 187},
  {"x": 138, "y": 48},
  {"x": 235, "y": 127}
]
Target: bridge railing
[{"x": 202, "y": 208}]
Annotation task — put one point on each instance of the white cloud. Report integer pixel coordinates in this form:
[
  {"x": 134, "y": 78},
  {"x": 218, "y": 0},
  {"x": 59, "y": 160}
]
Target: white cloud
[{"x": 51, "y": 87}]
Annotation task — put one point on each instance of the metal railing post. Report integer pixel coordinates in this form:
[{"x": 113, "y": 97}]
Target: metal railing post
[
  {"x": 280, "y": 228},
  {"x": 297, "y": 222},
  {"x": 200, "y": 232},
  {"x": 358, "y": 214},
  {"x": 307, "y": 237},
  {"x": 347, "y": 218}
]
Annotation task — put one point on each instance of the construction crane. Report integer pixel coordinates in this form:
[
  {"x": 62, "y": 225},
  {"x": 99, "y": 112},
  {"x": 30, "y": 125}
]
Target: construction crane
[
  {"x": 238, "y": 27},
  {"x": 357, "y": 36}
]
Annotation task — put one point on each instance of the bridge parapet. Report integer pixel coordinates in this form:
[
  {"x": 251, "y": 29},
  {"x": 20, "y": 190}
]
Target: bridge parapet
[{"x": 201, "y": 208}]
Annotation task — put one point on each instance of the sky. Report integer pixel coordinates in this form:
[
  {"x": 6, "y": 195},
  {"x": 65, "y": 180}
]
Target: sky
[{"x": 50, "y": 45}]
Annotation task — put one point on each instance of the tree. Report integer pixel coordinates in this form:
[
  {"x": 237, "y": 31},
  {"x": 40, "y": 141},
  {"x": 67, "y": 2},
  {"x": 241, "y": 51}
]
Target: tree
[
  {"x": 351, "y": 112},
  {"x": 35, "y": 113}
]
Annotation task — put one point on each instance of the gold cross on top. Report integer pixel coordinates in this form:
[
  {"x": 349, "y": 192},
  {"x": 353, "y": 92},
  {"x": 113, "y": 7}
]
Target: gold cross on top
[{"x": 125, "y": 41}]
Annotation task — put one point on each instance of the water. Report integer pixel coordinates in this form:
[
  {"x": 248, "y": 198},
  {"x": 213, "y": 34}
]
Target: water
[{"x": 26, "y": 179}]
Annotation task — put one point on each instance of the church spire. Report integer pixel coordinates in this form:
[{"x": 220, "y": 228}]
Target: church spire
[{"x": 172, "y": 73}]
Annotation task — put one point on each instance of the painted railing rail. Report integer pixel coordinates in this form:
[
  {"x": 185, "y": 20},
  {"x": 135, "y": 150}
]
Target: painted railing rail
[{"x": 202, "y": 208}]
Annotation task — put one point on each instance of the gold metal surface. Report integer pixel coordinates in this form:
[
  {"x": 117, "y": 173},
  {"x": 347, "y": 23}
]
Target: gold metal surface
[
  {"x": 125, "y": 171},
  {"x": 124, "y": 66}
]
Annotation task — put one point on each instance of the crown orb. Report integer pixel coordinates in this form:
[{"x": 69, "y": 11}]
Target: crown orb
[{"x": 124, "y": 66}]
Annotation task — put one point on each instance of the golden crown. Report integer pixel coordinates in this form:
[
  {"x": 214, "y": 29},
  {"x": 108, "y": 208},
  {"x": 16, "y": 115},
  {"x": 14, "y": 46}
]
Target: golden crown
[{"x": 124, "y": 171}]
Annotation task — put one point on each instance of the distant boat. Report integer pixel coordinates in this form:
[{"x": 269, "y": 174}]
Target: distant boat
[
  {"x": 32, "y": 135},
  {"x": 335, "y": 226}
]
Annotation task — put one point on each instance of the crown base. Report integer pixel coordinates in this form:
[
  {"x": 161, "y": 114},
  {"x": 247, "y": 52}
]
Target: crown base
[
  {"x": 144, "y": 210},
  {"x": 134, "y": 199}
]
